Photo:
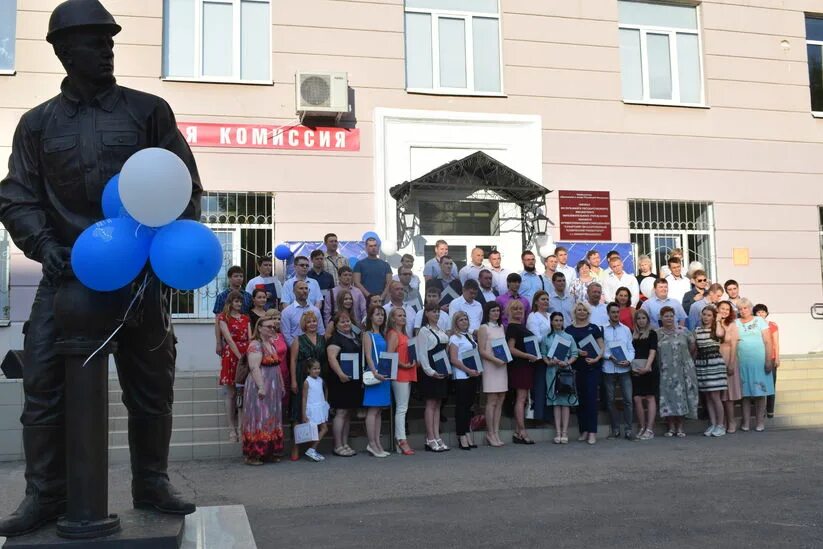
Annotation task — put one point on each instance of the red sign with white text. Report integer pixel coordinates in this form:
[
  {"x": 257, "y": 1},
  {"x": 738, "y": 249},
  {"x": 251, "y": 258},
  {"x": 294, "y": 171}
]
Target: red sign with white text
[
  {"x": 585, "y": 215},
  {"x": 260, "y": 136}
]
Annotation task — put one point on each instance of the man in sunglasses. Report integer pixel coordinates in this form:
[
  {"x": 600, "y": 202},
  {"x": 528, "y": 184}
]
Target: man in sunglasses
[
  {"x": 700, "y": 286},
  {"x": 301, "y": 273}
]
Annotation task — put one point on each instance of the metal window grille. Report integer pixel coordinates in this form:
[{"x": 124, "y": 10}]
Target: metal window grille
[
  {"x": 244, "y": 224},
  {"x": 5, "y": 259},
  {"x": 658, "y": 227}
]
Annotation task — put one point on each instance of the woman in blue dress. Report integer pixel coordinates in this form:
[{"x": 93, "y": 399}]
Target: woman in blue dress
[
  {"x": 755, "y": 364},
  {"x": 378, "y": 396},
  {"x": 562, "y": 403}
]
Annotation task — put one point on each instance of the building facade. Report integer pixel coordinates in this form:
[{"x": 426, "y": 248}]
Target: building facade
[{"x": 700, "y": 120}]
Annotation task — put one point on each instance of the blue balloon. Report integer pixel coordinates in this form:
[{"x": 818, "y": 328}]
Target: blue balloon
[
  {"x": 282, "y": 252},
  {"x": 371, "y": 234},
  {"x": 111, "y": 253},
  {"x": 186, "y": 255},
  {"x": 112, "y": 205},
  {"x": 352, "y": 262}
]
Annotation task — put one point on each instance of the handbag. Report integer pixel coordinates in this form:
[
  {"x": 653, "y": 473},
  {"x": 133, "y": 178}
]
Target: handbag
[
  {"x": 564, "y": 382},
  {"x": 638, "y": 364}
]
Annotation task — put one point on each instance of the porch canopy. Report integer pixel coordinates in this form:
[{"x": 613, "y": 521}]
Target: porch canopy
[{"x": 478, "y": 172}]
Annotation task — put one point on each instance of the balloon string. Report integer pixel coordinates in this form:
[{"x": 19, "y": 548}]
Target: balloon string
[{"x": 137, "y": 295}]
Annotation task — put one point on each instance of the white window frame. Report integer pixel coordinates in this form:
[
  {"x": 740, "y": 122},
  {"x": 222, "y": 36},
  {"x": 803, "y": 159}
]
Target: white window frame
[
  {"x": 818, "y": 43},
  {"x": 13, "y": 70},
  {"x": 236, "y": 47},
  {"x": 467, "y": 18},
  {"x": 672, "y": 33}
]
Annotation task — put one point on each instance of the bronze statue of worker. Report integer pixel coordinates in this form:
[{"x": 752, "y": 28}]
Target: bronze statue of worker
[{"x": 64, "y": 151}]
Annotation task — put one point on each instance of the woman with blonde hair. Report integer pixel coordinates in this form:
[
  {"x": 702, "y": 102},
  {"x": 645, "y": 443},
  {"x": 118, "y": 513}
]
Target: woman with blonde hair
[
  {"x": 309, "y": 345},
  {"x": 397, "y": 341},
  {"x": 645, "y": 374},
  {"x": 521, "y": 369},
  {"x": 587, "y": 369},
  {"x": 465, "y": 378},
  {"x": 262, "y": 424}
]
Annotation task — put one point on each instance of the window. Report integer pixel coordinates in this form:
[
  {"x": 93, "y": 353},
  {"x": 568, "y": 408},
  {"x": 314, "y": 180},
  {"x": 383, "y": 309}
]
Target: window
[
  {"x": 5, "y": 259},
  {"x": 244, "y": 224},
  {"x": 217, "y": 40},
  {"x": 814, "y": 51},
  {"x": 8, "y": 22},
  {"x": 459, "y": 218},
  {"x": 660, "y": 53},
  {"x": 453, "y": 46},
  {"x": 656, "y": 227}
]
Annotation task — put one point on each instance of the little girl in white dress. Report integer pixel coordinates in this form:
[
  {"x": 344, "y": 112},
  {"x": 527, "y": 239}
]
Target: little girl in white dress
[{"x": 315, "y": 406}]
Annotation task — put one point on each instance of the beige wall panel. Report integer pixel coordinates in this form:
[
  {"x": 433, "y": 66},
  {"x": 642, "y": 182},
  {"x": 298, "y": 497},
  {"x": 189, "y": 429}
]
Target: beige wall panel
[
  {"x": 24, "y": 271},
  {"x": 757, "y": 70},
  {"x": 559, "y": 29},
  {"x": 370, "y": 72},
  {"x": 345, "y": 15},
  {"x": 575, "y": 9},
  {"x": 352, "y": 230},
  {"x": 766, "y": 217},
  {"x": 748, "y": 19},
  {"x": 737, "y": 44},
  {"x": 8, "y": 122},
  {"x": 534, "y": 81},
  {"x": 281, "y": 173},
  {"x": 129, "y": 60},
  {"x": 24, "y": 91},
  {"x": 305, "y": 40},
  {"x": 329, "y": 207},
  {"x": 755, "y": 95},
  {"x": 33, "y": 25},
  {"x": 142, "y": 8},
  {"x": 786, "y": 245},
  {"x": 804, "y": 272},
  {"x": 561, "y": 56}
]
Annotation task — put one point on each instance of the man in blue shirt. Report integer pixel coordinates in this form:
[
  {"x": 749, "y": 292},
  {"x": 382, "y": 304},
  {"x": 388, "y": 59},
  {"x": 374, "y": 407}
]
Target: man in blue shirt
[
  {"x": 531, "y": 282},
  {"x": 291, "y": 315},
  {"x": 372, "y": 275},
  {"x": 561, "y": 301},
  {"x": 661, "y": 299},
  {"x": 301, "y": 273}
]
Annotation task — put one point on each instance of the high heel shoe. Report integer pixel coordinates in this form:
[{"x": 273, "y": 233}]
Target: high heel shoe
[
  {"x": 472, "y": 445},
  {"x": 443, "y": 447},
  {"x": 403, "y": 448},
  {"x": 517, "y": 439},
  {"x": 467, "y": 447},
  {"x": 432, "y": 446}
]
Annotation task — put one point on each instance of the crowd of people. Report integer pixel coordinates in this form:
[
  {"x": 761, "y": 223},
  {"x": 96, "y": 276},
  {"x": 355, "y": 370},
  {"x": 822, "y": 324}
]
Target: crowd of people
[{"x": 344, "y": 342}]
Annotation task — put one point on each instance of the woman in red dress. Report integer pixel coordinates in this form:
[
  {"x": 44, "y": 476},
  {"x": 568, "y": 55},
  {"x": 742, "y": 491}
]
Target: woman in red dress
[{"x": 234, "y": 326}]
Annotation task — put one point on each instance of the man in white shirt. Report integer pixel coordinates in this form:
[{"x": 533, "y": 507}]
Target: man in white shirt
[
  {"x": 617, "y": 278},
  {"x": 396, "y": 295},
  {"x": 301, "y": 271},
  {"x": 594, "y": 294},
  {"x": 562, "y": 255},
  {"x": 265, "y": 281},
  {"x": 661, "y": 299},
  {"x": 679, "y": 285},
  {"x": 531, "y": 282},
  {"x": 432, "y": 267},
  {"x": 560, "y": 300},
  {"x": 469, "y": 305},
  {"x": 411, "y": 295},
  {"x": 473, "y": 267},
  {"x": 407, "y": 260},
  {"x": 618, "y": 370},
  {"x": 487, "y": 291},
  {"x": 433, "y": 297},
  {"x": 499, "y": 274}
]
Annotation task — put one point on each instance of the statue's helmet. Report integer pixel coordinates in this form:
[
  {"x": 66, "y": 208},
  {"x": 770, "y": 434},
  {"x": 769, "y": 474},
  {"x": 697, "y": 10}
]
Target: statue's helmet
[{"x": 73, "y": 14}]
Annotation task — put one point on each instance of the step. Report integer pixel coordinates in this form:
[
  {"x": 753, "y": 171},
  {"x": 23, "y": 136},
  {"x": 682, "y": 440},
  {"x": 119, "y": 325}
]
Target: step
[
  {"x": 181, "y": 408},
  {"x": 806, "y": 384},
  {"x": 120, "y": 423},
  {"x": 202, "y": 393},
  {"x": 799, "y": 373},
  {"x": 186, "y": 435},
  {"x": 182, "y": 380},
  {"x": 796, "y": 408}
]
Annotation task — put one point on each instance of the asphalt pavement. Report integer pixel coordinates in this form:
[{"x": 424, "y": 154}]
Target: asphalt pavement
[{"x": 746, "y": 490}]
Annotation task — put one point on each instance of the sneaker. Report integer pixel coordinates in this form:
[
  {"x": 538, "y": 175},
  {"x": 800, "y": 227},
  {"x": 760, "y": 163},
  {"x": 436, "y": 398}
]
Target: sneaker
[
  {"x": 710, "y": 431},
  {"x": 719, "y": 431},
  {"x": 649, "y": 434},
  {"x": 312, "y": 454},
  {"x": 629, "y": 435}
]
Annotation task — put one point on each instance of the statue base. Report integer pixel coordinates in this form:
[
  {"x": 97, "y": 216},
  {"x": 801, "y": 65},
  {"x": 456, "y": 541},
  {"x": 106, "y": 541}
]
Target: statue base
[{"x": 138, "y": 530}]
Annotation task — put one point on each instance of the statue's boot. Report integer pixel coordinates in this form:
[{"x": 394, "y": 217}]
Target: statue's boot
[
  {"x": 150, "y": 486},
  {"x": 45, "y": 498}
]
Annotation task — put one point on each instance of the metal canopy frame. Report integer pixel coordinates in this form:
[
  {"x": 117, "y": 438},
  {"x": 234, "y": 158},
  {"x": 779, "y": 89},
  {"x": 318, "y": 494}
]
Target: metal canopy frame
[{"x": 477, "y": 172}]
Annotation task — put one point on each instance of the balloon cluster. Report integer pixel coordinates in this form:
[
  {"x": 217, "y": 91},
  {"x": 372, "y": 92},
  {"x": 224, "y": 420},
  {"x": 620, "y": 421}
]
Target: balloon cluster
[{"x": 141, "y": 205}]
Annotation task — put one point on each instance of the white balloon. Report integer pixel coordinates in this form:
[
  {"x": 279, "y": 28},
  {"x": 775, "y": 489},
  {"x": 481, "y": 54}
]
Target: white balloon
[
  {"x": 546, "y": 250},
  {"x": 647, "y": 287},
  {"x": 388, "y": 247},
  {"x": 155, "y": 186}
]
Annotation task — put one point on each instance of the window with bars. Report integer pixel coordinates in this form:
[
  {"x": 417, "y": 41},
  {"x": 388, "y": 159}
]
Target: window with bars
[
  {"x": 5, "y": 260},
  {"x": 658, "y": 227},
  {"x": 244, "y": 224}
]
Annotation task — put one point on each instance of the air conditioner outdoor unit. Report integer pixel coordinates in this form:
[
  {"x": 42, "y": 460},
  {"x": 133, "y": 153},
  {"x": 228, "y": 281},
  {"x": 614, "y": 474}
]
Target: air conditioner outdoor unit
[{"x": 322, "y": 93}]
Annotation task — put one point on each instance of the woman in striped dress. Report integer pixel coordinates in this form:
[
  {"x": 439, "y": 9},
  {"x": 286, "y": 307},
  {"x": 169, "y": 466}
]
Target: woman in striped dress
[{"x": 711, "y": 369}]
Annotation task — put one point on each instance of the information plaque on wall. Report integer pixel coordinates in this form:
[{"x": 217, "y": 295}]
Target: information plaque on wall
[{"x": 585, "y": 215}]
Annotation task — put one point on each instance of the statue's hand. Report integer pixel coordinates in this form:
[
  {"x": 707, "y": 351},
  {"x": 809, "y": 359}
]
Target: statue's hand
[{"x": 57, "y": 263}]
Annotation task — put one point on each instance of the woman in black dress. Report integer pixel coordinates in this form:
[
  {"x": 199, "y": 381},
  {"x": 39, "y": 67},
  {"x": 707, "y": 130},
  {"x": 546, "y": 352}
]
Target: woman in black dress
[
  {"x": 521, "y": 368},
  {"x": 645, "y": 374},
  {"x": 345, "y": 394}
]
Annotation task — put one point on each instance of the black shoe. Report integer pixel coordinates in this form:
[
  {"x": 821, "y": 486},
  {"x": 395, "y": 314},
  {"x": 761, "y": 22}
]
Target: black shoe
[
  {"x": 30, "y": 515},
  {"x": 159, "y": 495},
  {"x": 149, "y": 448},
  {"x": 472, "y": 445},
  {"x": 45, "y": 498},
  {"x": 517, "y": 439}
]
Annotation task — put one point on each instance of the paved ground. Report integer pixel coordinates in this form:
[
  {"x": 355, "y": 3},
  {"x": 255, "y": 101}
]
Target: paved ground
[{"x": 745, "y": 490}]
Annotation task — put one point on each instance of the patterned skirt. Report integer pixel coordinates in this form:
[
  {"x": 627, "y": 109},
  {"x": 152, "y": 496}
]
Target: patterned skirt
[
  {"x": 263, "y": 418},
  {"x": 711, "y": 371}
]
